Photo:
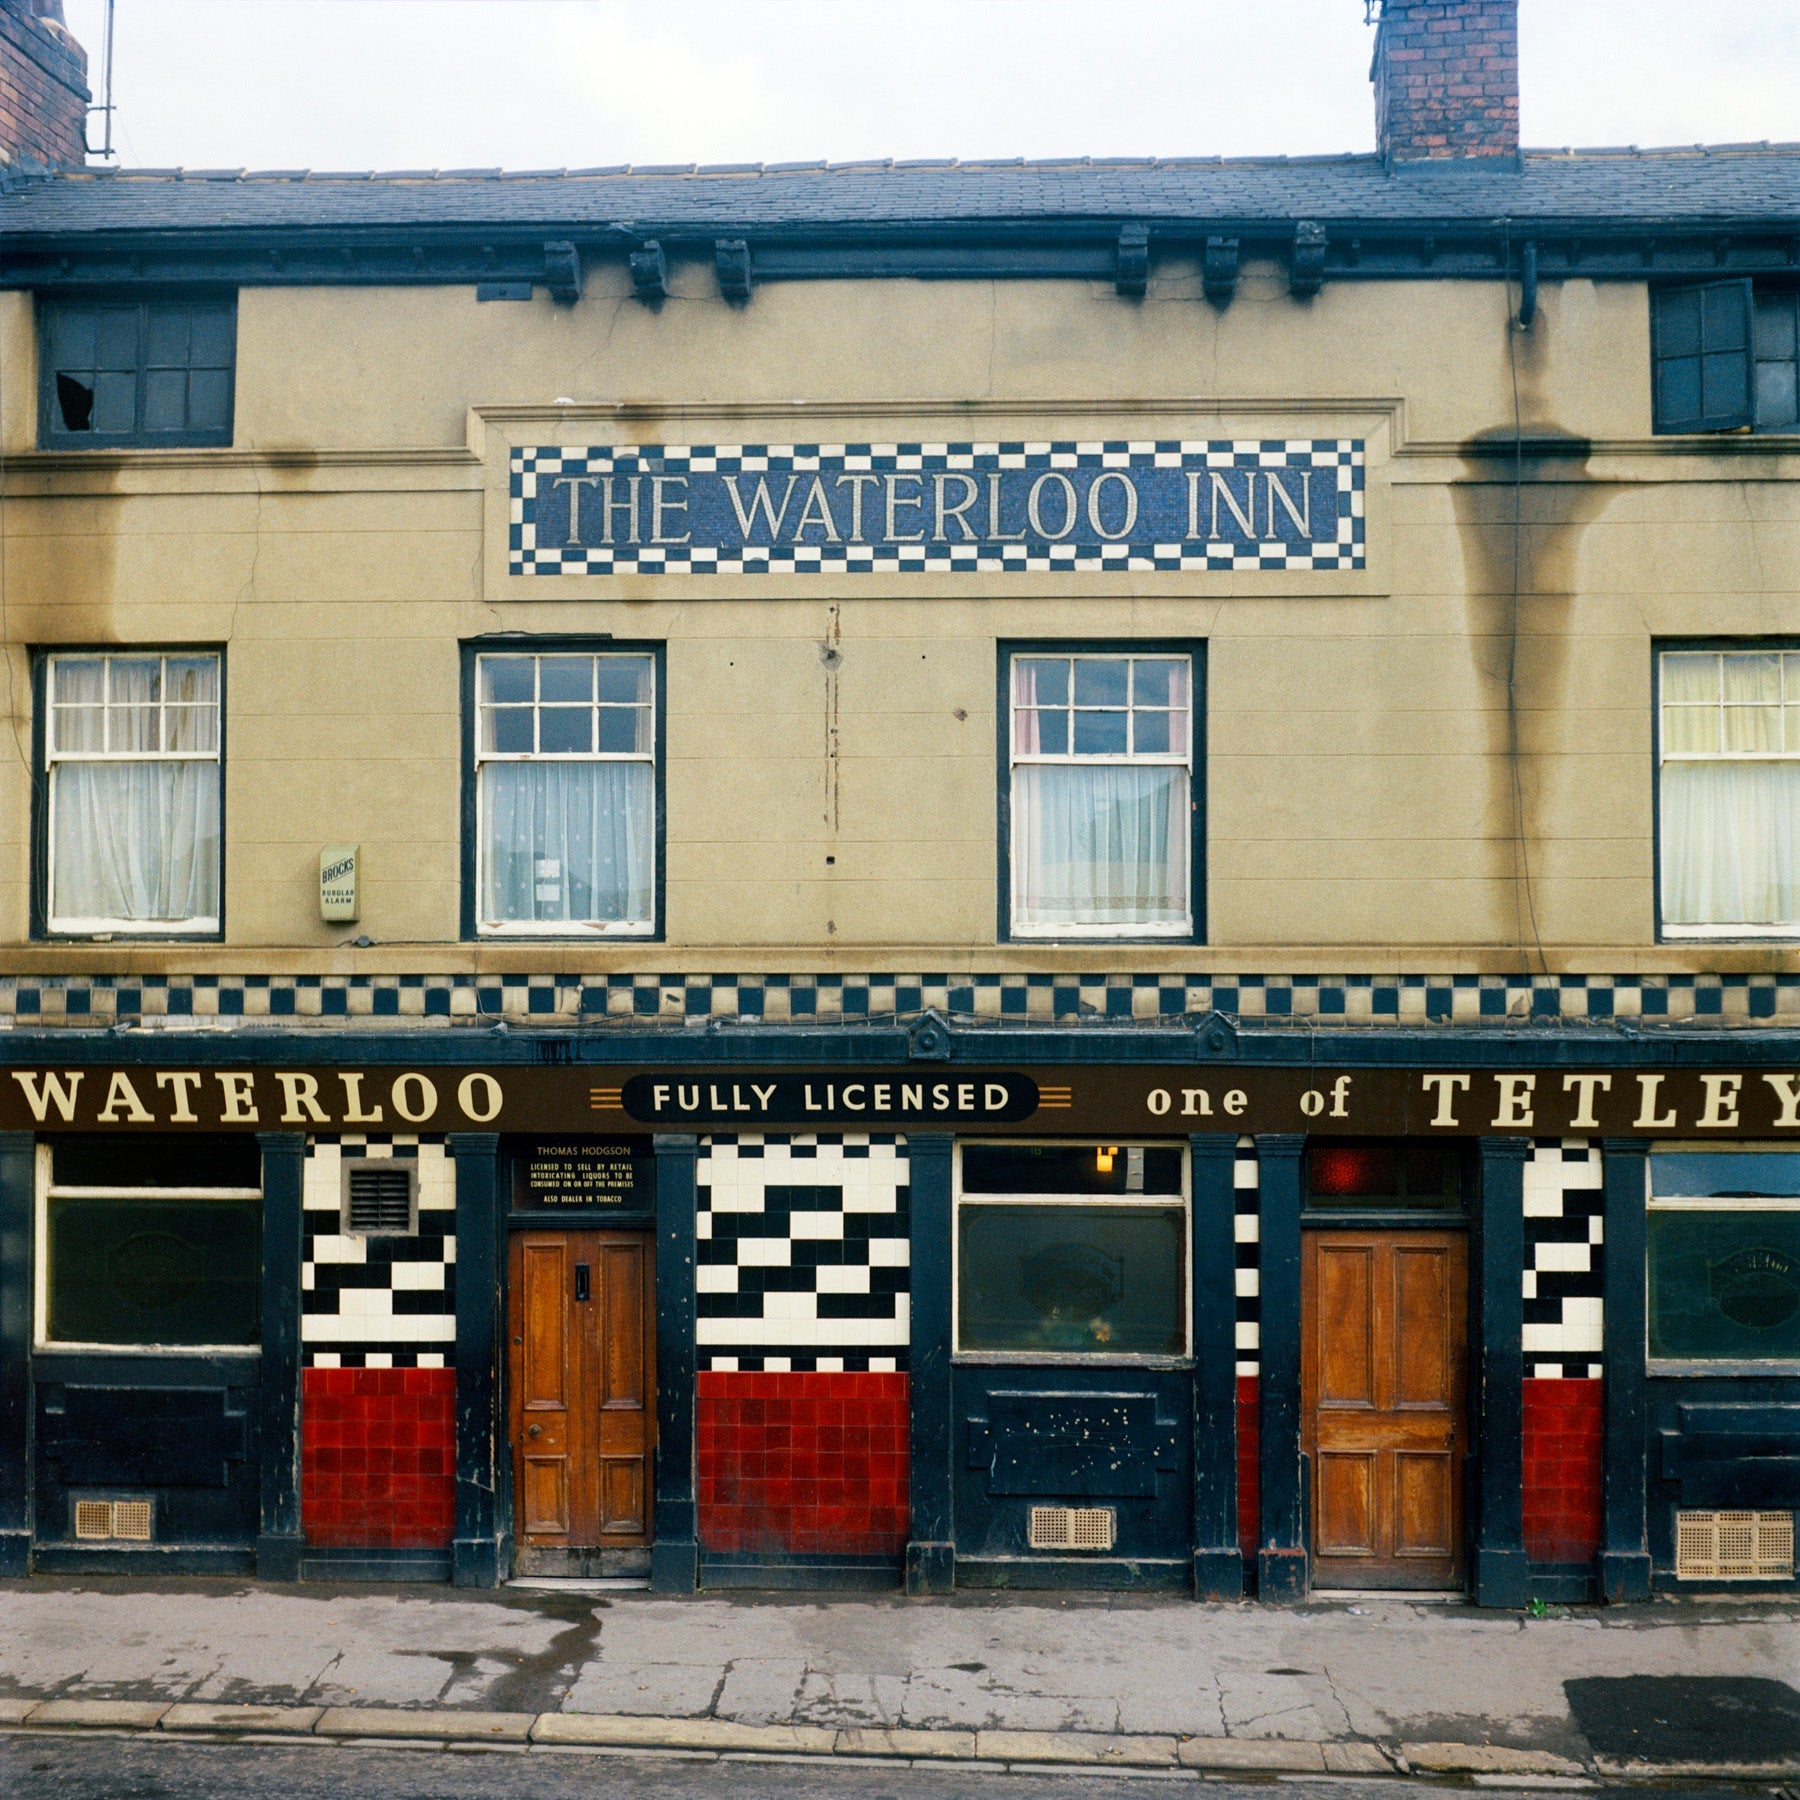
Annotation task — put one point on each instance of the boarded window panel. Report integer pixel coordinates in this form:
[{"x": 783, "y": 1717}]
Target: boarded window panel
[
  {"x": 209, "y": 400},
  {"x": 165, "y": 399},
  {"x": 143, "y": 1160},
  {"x": 1701, "y": 351},
  {"x": 115, "y": 403},
  {"x": 1777, "y": 390}
]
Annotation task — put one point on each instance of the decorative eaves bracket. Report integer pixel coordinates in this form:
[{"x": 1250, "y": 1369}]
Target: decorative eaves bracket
[
  {"x": 1219, "y": 274},
  {"x": 1133, "y": 276},
  {"x": 650, "y": 273},
  {"x": 1306, "y": 272},
  {"x": 562, "y": 272},
  {"x": 732, "y": 255}
]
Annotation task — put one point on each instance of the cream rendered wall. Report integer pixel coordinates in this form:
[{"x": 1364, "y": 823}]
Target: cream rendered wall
[{"x": 1365, "y": 811}]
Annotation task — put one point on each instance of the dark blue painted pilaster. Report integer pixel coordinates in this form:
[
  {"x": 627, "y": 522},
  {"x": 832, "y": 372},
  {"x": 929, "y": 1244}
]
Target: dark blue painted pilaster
[
  {"x": 18, "y": 1159},
  {"x": 1218, "y": 1560},
  {"x": 278, "y": 1539},
  {"x": 1499, "y": 1576},
  {"x": 675, "y": 1549},
  {"x": 478, "y": 1556},
  {"x": 1282, "y": 1561},
  {"x": 931, "y": 1545},
  {"x": 1624, "y": 1548}
]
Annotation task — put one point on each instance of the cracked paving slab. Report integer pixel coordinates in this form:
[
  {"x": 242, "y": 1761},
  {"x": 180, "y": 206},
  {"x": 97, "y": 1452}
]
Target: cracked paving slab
[{"x": 1389, "y": 1669}]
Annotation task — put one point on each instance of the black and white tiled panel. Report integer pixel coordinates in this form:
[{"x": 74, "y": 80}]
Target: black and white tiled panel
[
  {"x": 586, "y": 1001},
  {"x": 803, "y": 1252},
  {"x": 1247, "y": 1228},
  {"x": 1564, "y": 1260},
  {"x": 377, "y": 1302}
]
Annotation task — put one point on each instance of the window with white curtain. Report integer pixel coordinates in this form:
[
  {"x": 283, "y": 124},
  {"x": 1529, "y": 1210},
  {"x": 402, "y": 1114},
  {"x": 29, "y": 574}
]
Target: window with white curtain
[
  {"x": 1730, "y": 792},
  {"x": 565, "y": 775},
  {"x": 131, "y": 754},
  {"x": 1101, "y": 825}
]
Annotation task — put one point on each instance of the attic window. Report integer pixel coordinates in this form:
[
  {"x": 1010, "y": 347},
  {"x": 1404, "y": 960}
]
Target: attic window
[
  {"x": 1725, "y": 356},
  {"x": 381, "y": 1198},
  {"x": 138, "y": 373}
]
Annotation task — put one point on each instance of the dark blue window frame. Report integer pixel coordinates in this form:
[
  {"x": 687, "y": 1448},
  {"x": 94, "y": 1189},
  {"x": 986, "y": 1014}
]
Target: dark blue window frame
[{"x": 207, "y": 384}]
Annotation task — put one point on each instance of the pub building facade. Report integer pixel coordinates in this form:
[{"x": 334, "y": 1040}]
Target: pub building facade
[{"x": 906, "y": 875}]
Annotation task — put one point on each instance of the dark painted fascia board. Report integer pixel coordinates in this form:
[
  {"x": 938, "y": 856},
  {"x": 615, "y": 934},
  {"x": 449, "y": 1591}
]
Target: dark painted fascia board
[
  {"x": 1678, "y": 1046},
  {"x": 436, "y": 254}
]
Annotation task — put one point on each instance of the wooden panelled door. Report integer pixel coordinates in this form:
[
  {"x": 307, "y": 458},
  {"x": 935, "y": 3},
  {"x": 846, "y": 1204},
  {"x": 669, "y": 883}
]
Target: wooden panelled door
[
  {"x": 583, "y": 1404},
  {"x": 1384, "y": 1384}
]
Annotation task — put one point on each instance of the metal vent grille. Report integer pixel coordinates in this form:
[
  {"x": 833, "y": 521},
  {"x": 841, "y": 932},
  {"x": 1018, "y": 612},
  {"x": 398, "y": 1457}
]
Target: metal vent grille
[
  {"x": 112, "y": 1520},
  {"x": 1073, "y": 1527},
  {"x": 1734, "y": 1546},
  {"x": 378, "y": 1198}
]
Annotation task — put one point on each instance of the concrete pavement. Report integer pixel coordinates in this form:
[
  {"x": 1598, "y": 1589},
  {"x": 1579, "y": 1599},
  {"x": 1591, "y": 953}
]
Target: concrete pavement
[{"x": 1354, "y": 1685}]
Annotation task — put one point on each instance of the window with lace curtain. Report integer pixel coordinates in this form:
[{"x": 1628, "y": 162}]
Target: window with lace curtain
[
  {"x": 1729, "y": 750},
  {"x": 1100, "y": 804},
  {"x": 130, "y": 803},
  {"x": 565, "y": 793}
]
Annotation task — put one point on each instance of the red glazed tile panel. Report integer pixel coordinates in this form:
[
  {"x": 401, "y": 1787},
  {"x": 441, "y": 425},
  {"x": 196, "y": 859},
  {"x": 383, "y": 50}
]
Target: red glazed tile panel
[
  {"x": 1249, "y": 1476},
  {"x": 1562, "y": 1470},
  {"x": 378, "y": 1458},
  {"x": 803, "y": 1464}
]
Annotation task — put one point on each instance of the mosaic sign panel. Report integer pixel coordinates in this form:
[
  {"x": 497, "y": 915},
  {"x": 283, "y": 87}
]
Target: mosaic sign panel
[{"x": 1000, "y": 508}]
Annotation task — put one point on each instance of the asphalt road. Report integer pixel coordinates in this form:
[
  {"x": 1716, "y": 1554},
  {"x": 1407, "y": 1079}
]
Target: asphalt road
[{"x": 42, "y": 1767}]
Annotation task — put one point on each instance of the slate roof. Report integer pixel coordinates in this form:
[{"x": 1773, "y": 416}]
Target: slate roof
[{"x": 1749, "y": 184}]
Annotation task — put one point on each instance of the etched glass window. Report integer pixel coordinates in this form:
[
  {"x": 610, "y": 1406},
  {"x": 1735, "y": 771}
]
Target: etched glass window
[
  {"x": 1724, "y": 1257},
  {"x": 565, "y": 756}
]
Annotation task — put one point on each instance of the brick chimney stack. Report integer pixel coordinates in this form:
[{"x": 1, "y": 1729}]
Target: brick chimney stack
[
  {"x": 43, "y": 86},
  {"x": 1446, "y": 75}
]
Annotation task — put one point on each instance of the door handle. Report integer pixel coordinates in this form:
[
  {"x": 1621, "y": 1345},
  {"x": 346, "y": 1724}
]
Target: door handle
[
  {"x": 582, "y": 1289},
  {"x": 534, "y": 1431}
]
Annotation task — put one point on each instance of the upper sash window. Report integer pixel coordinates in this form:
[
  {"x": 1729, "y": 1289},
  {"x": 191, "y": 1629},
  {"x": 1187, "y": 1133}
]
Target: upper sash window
[
  {"x": 565, "y": 776},
  {"x": 132, "y": 748},
  {"x": 1101, "y": 796},
  {"x": 1730, "y": 792}
]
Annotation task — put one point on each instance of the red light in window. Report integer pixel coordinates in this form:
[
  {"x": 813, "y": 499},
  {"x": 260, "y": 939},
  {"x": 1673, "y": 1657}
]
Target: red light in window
[{"x": 1350, "y": 1169}]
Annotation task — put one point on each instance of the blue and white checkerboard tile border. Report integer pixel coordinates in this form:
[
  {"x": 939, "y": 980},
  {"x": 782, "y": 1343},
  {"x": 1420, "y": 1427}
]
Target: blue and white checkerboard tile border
[
  {"x": 532, "y": 463},
  {"x": 596, "y": 1001}
]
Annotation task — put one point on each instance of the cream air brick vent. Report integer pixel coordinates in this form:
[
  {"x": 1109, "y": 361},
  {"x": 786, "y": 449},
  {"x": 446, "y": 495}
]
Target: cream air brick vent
[
  {"x": 1073, "y": 1527},
  {"x": 114, "y": 1521},
  {"x": 1734, "y": 1546},
  {"x": 381, "y": 1198}
]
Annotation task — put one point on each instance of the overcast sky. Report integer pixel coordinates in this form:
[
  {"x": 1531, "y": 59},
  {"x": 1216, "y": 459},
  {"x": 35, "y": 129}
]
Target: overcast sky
[{"x": 348, "y": 84}]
